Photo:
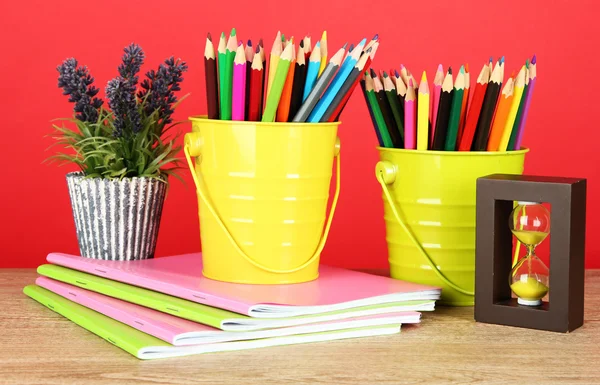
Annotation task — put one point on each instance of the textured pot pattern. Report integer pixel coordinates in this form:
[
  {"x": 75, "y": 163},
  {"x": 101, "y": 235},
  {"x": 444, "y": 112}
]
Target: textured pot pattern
[{"x": 116, "y": 219}]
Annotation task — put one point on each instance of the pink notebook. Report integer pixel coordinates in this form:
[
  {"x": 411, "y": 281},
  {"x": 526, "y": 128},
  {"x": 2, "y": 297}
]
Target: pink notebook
[
  {"x": 180, "y": 332},
  {"x": 181, "y": 276}
]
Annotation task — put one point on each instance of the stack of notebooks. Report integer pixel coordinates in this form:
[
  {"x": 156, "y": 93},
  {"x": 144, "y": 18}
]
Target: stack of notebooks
[{"x": 164, "y": 307}]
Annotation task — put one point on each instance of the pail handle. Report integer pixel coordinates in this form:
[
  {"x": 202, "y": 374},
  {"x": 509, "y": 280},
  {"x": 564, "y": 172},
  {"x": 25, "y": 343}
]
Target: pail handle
[
  {"x": 386, "y": 175},
  {"x": 192, "y": 145}
]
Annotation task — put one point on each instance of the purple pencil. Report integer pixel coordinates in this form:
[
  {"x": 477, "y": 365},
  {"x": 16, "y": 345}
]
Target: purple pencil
[
  {"x": 410, "y": 121},
  {"x": 238, "y": 97},
  {"x": 532, "y": 78}
]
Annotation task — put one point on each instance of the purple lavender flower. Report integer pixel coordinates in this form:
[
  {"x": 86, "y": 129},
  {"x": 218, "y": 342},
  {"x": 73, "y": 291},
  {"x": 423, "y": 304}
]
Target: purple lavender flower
[
  {"x": 158, "y": 90},
  {"x": 78, "y": 84},
  {"x": 131, "y": 63},
  {"x": 121, "y": 100}
]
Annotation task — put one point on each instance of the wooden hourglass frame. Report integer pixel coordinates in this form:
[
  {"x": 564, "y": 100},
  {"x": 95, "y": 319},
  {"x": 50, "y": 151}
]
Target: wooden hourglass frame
[{"x": 493, "y": 251}]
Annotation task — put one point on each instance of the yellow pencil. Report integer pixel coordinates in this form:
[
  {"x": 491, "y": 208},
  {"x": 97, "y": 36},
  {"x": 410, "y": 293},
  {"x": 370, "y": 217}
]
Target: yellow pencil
[
  {"x": 514, "y": 108},
  {"x": 323, "y": 52},
  {"x": 423, "y": 114},
  {"x": 273, "y": 61}
]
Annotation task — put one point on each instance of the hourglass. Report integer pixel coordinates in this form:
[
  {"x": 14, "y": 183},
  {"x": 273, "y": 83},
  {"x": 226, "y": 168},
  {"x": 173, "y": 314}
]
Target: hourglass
[{"x": 529, "y": 278}]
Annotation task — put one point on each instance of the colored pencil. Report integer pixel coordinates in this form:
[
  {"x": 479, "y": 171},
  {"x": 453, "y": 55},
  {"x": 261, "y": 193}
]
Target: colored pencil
[
  {"x": 513, "y": 134},
  {"x": 338, "y": 103},
  {"x": 276, "y": 51},
  {"x": 299, "y": 81},
  {"x": 256, "y": 86},
  {"x": 410, "y": 123},
  {"x": 386, "y": 111},
  {"x": 514, "y": 108},
  {"x": 423, "y": 114},
  {"x": 401, "y": 91},
  {"x": 371, "y": 114},
  {"x": 336, "y": 84},
  {"x": 312, "y": 73},
  {"x": 283, "y": 109},
  {"x": 278, "y": 82},
  {"x": 532, "y": 79},
  {"x": 443, "y": 117},
  {"x": 506, "y": 98},
  {"x": 465, "y": 103},
  {"x": 319, "y": 88},
  {"x": 397, "y": 109},
  {"x": 381, "y": 127},
  {"x": 370, "y": 44},
  {"x": 437, "y": 91},
  {"x": 414, "y": 81},
  {"x": 404, "y": 74},
  {"x": 263, "y": 57},
  {"x": 323, "y": 48},
  {"x": 211, "y": 77},
  {"x": 307, "y": 48},
  {"x": 474, "y": 109},
  {"x": 490, "y": 100},
  {"x": 226, "y": 85},
  {"x": 222, "y": 53},
  {"x": 453, "y": 123},
  {"x": 238, "y": 98},
  {"x": 363, "y": 65},
  {"x": 249, "y": 56}
]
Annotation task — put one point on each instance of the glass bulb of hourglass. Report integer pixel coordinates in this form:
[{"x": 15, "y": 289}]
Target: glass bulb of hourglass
[{"x": 529, "y": 278}]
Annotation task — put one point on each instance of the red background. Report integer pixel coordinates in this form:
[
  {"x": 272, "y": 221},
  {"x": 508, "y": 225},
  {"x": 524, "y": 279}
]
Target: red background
[{"x": 38, "y": 35}]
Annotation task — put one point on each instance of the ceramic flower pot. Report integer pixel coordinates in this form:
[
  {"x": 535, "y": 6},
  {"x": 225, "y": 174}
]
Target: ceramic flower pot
[{"x": 116, "y": 219}]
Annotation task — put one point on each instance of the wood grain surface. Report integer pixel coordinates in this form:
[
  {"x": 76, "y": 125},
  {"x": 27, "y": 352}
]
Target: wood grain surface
[{"x": 38, "y": 346}]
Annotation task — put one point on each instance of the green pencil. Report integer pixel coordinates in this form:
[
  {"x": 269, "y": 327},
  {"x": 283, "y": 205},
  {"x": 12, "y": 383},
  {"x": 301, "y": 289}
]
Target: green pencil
[
  {"x": 221, "y": 65},
  {"x": 226, "y": 87},
  {"x": 513, "y": 134},
  {"x": 381, "y": 127},
  {"x": 397, "y": 109},
  {"x": 453, "y": 123},
  {"x": 278, "y": 82}
]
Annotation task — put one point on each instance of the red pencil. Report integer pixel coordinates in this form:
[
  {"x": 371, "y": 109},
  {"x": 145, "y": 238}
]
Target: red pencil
[
  {"x": 255, "y": 84},
  {"x": 474, "y": 110}
]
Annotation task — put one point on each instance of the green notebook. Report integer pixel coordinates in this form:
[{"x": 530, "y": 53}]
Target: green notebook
[
  {"x": 144, "y": 346},
  {"x": 218, "y": 318}
]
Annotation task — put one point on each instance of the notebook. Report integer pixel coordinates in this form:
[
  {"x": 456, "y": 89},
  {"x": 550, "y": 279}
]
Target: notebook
[
  {"x": 181, "y": 332},
  {"x": 181, "y": 276},
  {"x": 211, "y": 316},
  {"x": 145, "y": 346}
]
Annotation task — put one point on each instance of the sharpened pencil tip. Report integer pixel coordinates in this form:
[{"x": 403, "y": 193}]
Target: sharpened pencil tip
[
  {"x": 424, "y": 77},
  {"x": 396, "y": 73},
  {"x": 402, "y": 66},
  {"x": 209, "y": 37},
  {"x": 249, "y": 44},
  {"x": 232, "y": 32},
  {"x": 450, "y": 70},
  {"x": 502, "y": 60},
  {"x": 260, "y": 42},
  {"x": 222, "y": 34},
  {"x": 318, "y": 45},
  {"x": 527, "y": 63},
  {"x": 373, "y": 73},
  {"x": 467, "y": 67},
  {"x": 240, "y": 44},
  {"x": 440, "y": 68},
  {"x": 410, "y": 83},
  {"x": 491, "y": 59},
  {"x": 282, "y": 38},
  {"x": 375, "y": 37},
  {"x": 324, "y": 35},
  {"x": 385, "y": 75},
  {"x": 301, "y": 43},
  {"x": 363, "y": 41},
  {"x": 351, "y": 48},
  {"x": 533, "y": 59},
  {"x": 257, "y": 49},
  {"x": 462, "y": 69},
  {"x": 345, "y": 45}
]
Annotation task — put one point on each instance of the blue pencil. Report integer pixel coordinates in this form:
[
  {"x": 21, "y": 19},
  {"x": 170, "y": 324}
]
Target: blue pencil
[
  {"x": 312, "y": 72},
  {"x": 336, "y": 83}
]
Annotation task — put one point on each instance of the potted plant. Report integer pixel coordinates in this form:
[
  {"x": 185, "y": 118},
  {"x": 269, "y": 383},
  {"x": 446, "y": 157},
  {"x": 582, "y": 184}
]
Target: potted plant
[{"x": 125, "y": 154}]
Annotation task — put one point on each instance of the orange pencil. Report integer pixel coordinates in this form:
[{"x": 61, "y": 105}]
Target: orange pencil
[
  {"x": 283, "y": 109},
  {"x": 506, "y": 99}
]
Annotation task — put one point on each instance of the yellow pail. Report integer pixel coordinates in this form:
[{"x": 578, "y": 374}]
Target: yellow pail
[
  {"x": 262, "y": 191},
  {"x": 429, "y": 211}
]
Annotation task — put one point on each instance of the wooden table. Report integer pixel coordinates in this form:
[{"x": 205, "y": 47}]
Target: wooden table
[{"x": 38, "y": 346}]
